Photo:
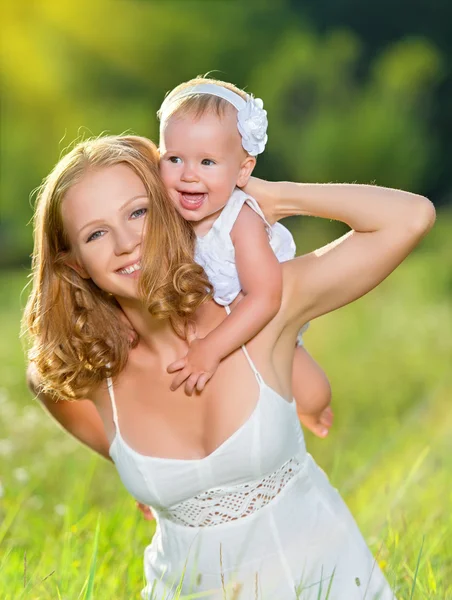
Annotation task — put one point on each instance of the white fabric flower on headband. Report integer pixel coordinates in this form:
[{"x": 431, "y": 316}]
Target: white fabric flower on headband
[{"x": 252, "y": 124}]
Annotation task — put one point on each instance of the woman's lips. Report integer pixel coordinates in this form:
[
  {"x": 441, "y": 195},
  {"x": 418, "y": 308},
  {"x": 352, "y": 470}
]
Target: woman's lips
[
  {"x": 132, "y": 270},
  {"x": 191, "y": 201}
]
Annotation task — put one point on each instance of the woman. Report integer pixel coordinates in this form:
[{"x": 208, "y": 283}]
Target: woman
[{"x": 238, "y": 500}]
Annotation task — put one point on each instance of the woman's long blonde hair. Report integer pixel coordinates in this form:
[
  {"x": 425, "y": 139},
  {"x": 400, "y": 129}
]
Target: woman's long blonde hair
[{"x": 77, "y": 335}]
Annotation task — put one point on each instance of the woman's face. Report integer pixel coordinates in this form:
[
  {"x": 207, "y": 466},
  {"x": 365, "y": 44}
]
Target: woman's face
[{"x": 104, "y": 216}]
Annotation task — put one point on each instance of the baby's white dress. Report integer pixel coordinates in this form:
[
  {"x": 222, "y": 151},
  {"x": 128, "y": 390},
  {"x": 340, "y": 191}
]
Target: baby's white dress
[{"x": 216, "y": 254}]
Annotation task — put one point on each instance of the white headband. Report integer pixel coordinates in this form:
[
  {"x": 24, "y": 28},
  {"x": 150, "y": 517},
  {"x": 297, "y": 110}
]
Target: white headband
[{"x": 251, "y": 117}]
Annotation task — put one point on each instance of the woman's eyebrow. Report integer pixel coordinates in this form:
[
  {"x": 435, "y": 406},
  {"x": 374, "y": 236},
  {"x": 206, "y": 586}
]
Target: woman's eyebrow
[
  {"x": 121, "y": 208},
  {"x": 127, "y": 202}
]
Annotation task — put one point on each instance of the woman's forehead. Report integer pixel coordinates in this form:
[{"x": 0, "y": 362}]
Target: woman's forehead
[
  {"x": 113, "y": 182},
  {"x": 99, "y": 193}
]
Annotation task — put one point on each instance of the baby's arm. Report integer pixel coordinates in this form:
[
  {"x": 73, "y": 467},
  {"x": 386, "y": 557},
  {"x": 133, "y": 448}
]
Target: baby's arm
[{"x": 260, "y": 276}]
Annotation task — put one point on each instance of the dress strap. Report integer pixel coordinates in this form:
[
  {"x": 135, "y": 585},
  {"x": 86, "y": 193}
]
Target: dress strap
[
  {"x": 111, "y": 393},
  {"x": 248, "y": 357},
  {"x": 257, "y": 209},
  {"x": 230, "y": 212}
]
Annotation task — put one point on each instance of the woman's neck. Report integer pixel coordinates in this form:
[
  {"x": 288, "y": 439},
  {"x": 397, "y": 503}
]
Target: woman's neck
[
  {"x": 156, "y": 334},
  {"x": 152, "y": 332}
]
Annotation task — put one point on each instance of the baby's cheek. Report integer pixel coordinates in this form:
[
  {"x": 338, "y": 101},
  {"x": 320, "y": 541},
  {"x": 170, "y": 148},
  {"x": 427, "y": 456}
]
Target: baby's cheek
[
  {"x": 174, "y": 200},
  {"x": 166, "y": 173}
]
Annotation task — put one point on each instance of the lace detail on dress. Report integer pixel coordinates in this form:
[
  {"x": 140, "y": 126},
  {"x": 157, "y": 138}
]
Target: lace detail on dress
[{"x": 222, "y": 505}]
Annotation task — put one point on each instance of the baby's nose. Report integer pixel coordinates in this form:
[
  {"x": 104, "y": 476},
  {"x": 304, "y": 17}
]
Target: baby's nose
[{"x": 189, "y": 174}]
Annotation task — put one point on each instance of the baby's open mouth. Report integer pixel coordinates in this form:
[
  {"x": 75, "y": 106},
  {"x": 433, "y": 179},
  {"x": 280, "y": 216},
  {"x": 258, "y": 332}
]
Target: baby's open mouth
[{"x": 190, "y": 200}]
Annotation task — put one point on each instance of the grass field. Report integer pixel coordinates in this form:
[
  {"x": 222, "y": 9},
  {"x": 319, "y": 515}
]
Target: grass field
[{"x": 390, "y": 453}]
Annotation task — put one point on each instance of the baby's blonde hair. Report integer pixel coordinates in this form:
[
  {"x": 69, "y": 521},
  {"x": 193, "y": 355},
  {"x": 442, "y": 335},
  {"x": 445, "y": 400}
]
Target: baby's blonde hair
[
  {"x": 197, "y": 104},
  {"x": 76, "y": 333}
]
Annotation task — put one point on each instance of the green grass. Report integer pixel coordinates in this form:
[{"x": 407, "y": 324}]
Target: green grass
[{"x": 69, "y": 531}]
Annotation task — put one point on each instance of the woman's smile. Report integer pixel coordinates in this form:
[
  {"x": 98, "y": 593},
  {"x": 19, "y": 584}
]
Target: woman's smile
[{"x": 132, "y": 269}]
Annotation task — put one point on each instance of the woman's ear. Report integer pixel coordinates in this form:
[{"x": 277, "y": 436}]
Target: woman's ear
[
  {"x": 246, "y": 168},
  {"x": 71, "y": 262}
]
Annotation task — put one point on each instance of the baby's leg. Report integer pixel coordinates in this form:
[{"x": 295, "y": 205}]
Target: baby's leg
[{"x": 312, "y": 393}]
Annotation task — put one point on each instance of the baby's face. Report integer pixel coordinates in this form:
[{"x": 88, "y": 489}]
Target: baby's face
[{"x": 202, "y": 160}]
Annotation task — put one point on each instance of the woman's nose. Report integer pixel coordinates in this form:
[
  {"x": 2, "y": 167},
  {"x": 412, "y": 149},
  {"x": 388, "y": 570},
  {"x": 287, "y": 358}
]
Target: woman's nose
[{"x": 126, "y": 242}]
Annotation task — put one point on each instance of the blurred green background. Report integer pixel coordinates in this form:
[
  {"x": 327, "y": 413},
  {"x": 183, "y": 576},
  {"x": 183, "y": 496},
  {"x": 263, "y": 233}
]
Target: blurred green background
[{"x": 355, "y": 91}]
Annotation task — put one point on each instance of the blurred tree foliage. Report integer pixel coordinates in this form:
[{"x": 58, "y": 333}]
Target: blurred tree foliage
[{"x": 340, "y": 108}]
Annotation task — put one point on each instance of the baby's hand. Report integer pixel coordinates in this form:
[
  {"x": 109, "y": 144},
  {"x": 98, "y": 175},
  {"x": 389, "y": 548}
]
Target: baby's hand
[
  {"x": 319, "y": 423},
  {"x": 196, "y": 368}
]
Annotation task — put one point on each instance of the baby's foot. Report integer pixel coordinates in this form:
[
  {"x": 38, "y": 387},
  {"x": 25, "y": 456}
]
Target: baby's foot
[{"x": 319, "y": 423}]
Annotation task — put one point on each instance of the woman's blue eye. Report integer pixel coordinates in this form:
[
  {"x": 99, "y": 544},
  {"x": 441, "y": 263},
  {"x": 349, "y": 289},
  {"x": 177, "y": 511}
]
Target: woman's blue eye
[
  {"x": 139, "y": 213},
  {"x": 95, "y": 236},
  {"x": 207, "y": 162},
  {"x": 175, "y": 160}
]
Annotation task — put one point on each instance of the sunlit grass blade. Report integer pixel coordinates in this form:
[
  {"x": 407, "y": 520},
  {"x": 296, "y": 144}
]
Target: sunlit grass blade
[
  {"x": 417, "y": 569},
  {"x": 11, "y": 515},
  {"x": 319, "y": 594},
  {"x": 328, "y": 591},
  {"x": 4, "y": 559},
  {"x": 92, "y": 570}
]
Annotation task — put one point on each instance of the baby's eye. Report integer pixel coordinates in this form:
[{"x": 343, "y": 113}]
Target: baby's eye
[
  {"x": 175, "y": 160},
  {"x": 95, "y": 236},
  {"x": 207, "y": 162},
  {"x": 140, "y": 212}
]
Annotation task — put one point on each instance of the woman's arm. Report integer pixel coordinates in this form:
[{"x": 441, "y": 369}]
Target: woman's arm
[
  {"x": 79, "y": 418},
  {"x": 386, "y": 225}
]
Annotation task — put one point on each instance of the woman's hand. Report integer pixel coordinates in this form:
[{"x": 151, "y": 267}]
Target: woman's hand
[
  {"x": 146, "y": 510},
  {"x": 267, "y": 195},
  {"x": 385, "y": 225}
]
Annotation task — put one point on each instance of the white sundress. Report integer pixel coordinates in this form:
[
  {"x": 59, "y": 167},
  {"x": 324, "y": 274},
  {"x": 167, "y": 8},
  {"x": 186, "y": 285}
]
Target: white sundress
[
  {"x": 256, "y": 519},
  {"x": 216, "y": 254}
]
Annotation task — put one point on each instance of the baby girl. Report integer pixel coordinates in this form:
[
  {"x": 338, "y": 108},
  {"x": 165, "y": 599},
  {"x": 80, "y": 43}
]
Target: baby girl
[{"x": 210, "y": 135}]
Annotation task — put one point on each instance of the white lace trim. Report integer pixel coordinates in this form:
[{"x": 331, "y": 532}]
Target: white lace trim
[{"x": 222, "y": 505}]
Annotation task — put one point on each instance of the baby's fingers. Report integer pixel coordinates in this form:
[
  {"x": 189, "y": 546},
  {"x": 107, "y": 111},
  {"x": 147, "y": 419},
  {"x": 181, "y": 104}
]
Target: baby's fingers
[
  {"x": 203, "y": 379},
  {"x": 176, "y": 365},
  {"x": 191, "y": 383},
  {"x": 179, "y": 379}
]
